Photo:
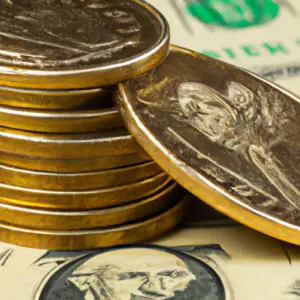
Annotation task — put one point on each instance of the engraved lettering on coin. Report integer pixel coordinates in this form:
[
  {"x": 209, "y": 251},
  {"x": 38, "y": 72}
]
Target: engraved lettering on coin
[
  {"x": 46, "y": 34},
  {"x": 145, "y": 272}
]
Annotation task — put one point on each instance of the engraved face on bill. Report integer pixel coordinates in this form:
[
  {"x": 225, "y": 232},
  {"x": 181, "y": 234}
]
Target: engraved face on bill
[
  {"x": 134, "y": 273},
  {"x": 224, "y": 126},
  {"x": 51, "y": 34}
]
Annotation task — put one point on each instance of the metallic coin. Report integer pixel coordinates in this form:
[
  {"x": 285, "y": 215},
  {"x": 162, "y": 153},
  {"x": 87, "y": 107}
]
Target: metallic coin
[
  {"x": 77, "y": 181},
  {"x": 97, "y": 238},
  {"x": 61, "y": 121},
  {"x": 61, "y": 146},
  {"x": 225, "y": 134},
  {"x": 80, "y": 200},
  {"x": 72, "y": 165},
  {"x": 89, "y": 219},
  {"x": 56, "y": 99},
  {"x": 45, "y": 45}
]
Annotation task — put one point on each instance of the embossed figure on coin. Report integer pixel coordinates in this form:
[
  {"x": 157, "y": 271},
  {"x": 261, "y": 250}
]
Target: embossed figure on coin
[
  {"x": 137, "y": 273},
  {"x": 48, "y": 34},
  {"x": 248, "y": 123}
]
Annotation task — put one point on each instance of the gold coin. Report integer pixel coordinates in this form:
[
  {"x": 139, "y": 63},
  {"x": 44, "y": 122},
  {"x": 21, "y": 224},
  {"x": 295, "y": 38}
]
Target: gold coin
[
  {"x": 77, "y": 181},
  {"x": 89, "y": 164},
  {"x": 82, "y": 99},
  {"x": 89, "y": 219},
  {"x": 60, "y": 121},
  {"x": 61, "y": 146},
  {"x": 227, "y": 135},
  {"x": 80, "y": 200},
  {"x": 55, "y": 51},
  {"x": 97, "y": 238}
]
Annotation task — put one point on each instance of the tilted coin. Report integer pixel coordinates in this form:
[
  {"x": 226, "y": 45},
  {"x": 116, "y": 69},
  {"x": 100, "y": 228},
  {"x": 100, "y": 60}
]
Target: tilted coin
[
  {"x": 77, "y": 181},
  {"x": 89, "y": 164},
  {"x": 56, "y": 99},
  {"x": 45, "y": 44},
  {"x": 80, "y": 200},
  {"x": 61, "y": 146},
  {"x": 60, "y": 121},
  {"x": 225, "y": 134},
  {"x": 96, "y": 238},
  {"x": 89, "y": 219}
]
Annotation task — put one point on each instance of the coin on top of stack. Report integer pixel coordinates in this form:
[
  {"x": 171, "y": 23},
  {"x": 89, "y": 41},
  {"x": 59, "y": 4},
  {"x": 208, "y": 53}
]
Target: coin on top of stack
[{"x": 71, "y": 174}]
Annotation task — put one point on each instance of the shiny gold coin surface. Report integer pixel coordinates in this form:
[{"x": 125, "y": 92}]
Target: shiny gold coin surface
[
  {"x": 80, "y": 200},
  {"x": 60, "y": 121},
  {"x": 73, "y": 165},
  {"x": 77, "y": 181},
  {"x": 225, "y": 134},
  {"x": 89, "y": 219},
  {"x": 60, "y": 146},
  {"x": 46, "y": 49},
  {"x": 82, "y": 99},
  {"x": 97, "y": 238}
]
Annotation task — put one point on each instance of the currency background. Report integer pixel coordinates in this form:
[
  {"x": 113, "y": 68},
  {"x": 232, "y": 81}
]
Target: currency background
[
  {"x": 259, "y": 35},
  {"x": 210, "y": 257}
]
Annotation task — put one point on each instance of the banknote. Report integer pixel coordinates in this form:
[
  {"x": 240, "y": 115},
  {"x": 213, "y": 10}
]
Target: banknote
[
  {"x": 211, "y": 259},
  {"x": 259, "y": 35}
]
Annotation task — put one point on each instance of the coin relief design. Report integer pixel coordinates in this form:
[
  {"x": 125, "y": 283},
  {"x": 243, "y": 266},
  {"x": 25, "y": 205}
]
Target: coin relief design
[
  {"x": 249, "y": 124},
  {"x": 222, "y": 127},
  {"x": 47, "y": 34}
]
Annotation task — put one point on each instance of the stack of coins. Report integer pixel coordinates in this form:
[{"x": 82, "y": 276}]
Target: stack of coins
[{"x": 71, "y": 175}]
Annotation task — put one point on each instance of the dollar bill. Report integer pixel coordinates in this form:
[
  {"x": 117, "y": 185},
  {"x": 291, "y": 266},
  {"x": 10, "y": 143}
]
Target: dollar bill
[
  {"x": 212, "y": 259},
  {"x": 259, "y": 35}
]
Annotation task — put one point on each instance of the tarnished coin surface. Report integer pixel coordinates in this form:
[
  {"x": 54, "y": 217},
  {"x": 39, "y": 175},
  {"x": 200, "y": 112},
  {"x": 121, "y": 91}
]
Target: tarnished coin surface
[
  {"x": 61, "y": 146},
  {"x": 89, "y": 219},
  {"x": 69, "y": 165},
  {"x": 78, "y": 44},
  {"x": 56, "y": 99},
  {"x": 77, "y": 181},
  {"x": 225, "y": 134},
  {"x": 81, "y": 200},
  {"x": 60, "y": 121},
  {"x": 96, "y": 238}
]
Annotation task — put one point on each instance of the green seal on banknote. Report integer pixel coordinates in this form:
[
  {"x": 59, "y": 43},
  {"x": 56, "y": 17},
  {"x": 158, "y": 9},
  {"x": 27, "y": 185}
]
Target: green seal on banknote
[{"x": 234, "y": 13}]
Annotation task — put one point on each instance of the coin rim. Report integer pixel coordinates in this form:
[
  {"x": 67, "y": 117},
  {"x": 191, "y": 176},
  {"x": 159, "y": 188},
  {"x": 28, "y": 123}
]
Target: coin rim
[
  {"x": 89, "y": 239},
  {"x": 49, "y": 121},
  {"x": 33, "y": 218}
]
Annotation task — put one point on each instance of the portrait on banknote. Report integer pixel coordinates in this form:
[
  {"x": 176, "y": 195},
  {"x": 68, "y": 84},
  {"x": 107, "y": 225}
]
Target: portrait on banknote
[{"x": 136, "y": 273}]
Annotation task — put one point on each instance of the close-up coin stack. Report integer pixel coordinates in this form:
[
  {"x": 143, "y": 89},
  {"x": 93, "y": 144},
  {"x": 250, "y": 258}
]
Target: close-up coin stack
[{"x": 71, "y": 176}]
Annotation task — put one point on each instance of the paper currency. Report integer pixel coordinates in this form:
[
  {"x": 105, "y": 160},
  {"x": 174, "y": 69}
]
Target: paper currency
[
  {"x": 216, "y": 260},
  {"x": 259, "y": 35}
]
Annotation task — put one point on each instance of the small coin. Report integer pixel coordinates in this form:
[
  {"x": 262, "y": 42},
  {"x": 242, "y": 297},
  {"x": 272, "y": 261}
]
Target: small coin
[
  {"x": 97, "y": 238},
  {"x": 77, "y": 181},
  {"x": 89, "y": 164},
  {"x": 83, "y": 99},
  {"x": 80, "y": 200},
  {"x": 43, "y": 47},
  {"x": 227, "y": 135},
  {"x": 89, "y": 219},
  {"x": 60, "y": 146},
  {"x": 60, "y": 121}
]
